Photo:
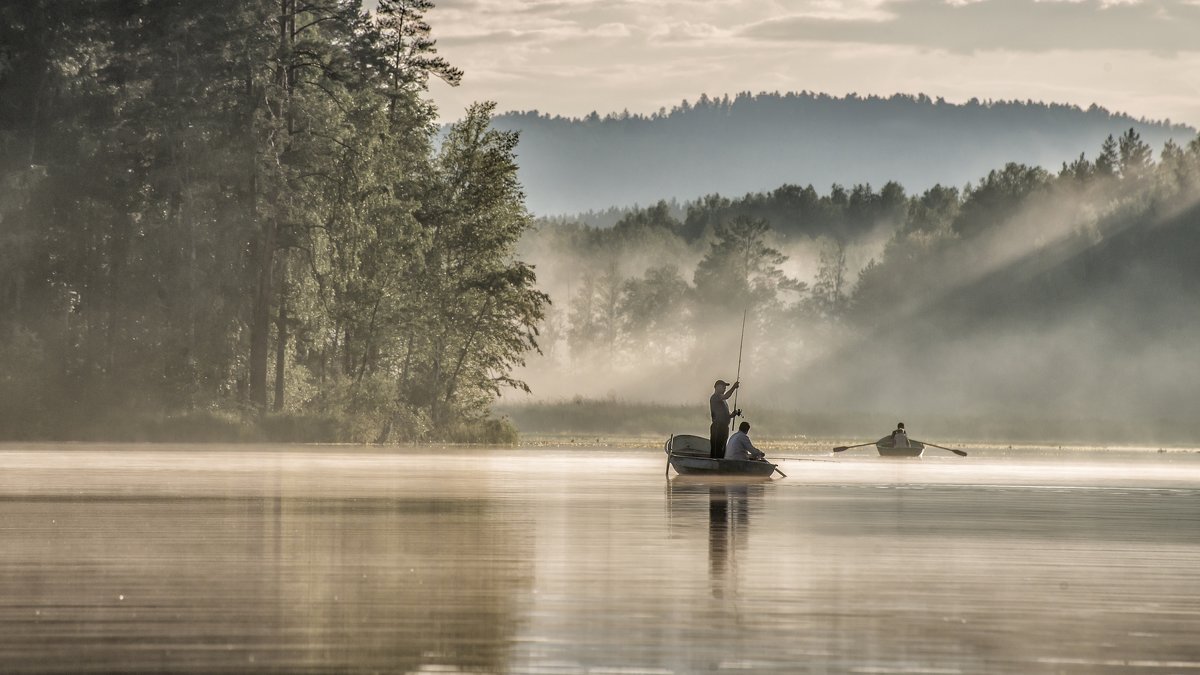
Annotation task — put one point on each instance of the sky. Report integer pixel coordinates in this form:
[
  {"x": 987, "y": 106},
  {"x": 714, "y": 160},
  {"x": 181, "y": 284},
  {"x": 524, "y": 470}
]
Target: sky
[{"x": 570, "y": 57}]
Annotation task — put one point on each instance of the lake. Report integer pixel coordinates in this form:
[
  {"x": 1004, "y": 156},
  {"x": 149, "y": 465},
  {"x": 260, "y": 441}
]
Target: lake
[{"x": 201, "y": 558}]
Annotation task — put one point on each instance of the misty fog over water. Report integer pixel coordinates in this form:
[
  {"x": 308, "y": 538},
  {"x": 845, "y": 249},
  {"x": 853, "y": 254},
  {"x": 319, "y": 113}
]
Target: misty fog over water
[
  {"x": 1024, "y": 296},
  {"x": 311, "y": 559}
]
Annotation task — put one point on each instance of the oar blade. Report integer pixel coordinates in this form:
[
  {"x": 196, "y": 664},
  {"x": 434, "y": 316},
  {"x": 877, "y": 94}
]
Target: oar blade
[
  {"x": 841, "y": 448},
  {"x": 960, "y": 453}
]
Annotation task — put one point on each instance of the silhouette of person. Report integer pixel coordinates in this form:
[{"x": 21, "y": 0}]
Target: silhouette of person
[{"x": 718, "y": 432}]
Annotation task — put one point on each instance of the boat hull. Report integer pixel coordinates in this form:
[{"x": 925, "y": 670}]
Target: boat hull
[
  {"x": 689, "y": 456},
  {"x": 706, "y": 466},
  {"x": 887, "y": 449}
]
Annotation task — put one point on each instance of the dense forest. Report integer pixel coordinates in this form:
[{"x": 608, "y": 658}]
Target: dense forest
[
  {"x": 244, "y": 221},
  {"x": 1026, "y": 294},
  {"x": 234, "y": 219},
  {"x": 754, "y": 142}
]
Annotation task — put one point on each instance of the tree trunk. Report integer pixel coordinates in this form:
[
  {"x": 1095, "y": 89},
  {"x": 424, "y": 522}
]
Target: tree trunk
[
  {"x": 281, "y": 337},
  {"x": 260, "y": 322}
]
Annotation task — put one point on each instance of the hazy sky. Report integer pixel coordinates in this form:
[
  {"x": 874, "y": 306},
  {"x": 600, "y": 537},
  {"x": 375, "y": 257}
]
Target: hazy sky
[{"x": 573, "y": 56}]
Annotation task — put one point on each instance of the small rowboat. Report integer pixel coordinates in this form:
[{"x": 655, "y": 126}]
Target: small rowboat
[
  {"x": 887, "y": 448},
  {"x": 689, "y": 455}
]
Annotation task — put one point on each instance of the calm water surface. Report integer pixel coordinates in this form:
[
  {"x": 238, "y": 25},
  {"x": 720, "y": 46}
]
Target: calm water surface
[{"x": 328, "y": 559}]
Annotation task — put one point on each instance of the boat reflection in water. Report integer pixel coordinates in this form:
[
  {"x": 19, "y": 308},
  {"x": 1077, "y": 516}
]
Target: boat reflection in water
[{"x": 730, "y": 504}]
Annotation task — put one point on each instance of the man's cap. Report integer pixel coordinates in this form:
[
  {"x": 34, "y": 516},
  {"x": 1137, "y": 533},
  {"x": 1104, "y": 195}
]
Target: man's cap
[{"x": 720, "y": 382}]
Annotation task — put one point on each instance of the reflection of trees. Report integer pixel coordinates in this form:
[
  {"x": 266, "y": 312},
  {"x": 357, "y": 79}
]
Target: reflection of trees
[
  {"x": 394, "y": 585},
  {"x": 238, "y": 584}
]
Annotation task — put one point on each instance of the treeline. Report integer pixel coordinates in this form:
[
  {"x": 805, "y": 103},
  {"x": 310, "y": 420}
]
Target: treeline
[
  {"x": 972, "y": 288},
  {"x": 654, "y": 281},
  {"x": 753, "y": 142},
  {"x": 792, "y": 101},
  {"x": 236, "y": 212}
]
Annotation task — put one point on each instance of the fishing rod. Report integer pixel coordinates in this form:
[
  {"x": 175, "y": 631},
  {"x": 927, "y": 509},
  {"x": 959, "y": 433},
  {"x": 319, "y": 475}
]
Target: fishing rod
[{"x": 738, "y": 379}]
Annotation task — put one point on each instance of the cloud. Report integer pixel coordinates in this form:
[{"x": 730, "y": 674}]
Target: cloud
[
  {"x": 684, "y": 31},
  {"x": 1158, "y": 26},
  {"x": 496, "y": 37},
  {"x": 574, "y": 56}
]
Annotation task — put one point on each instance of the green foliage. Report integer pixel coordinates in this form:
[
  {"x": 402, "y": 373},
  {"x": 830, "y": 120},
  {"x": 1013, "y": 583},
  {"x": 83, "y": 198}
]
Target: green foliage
[
  {"x": 1135, "y": 155},
  {"x": 483, "y": 432},
  {"x": 1017, "y": 251},
  {"x": 302, "y": 428},
  {"x": 653, "y": 308},
  {"x": 200, "y": 202},
  {"x": 741, "y": 268},
  {"x": 992, "y": 202}
]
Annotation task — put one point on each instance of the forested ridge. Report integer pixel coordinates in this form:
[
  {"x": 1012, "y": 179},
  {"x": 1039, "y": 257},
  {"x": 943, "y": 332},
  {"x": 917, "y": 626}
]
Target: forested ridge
[
  {"x": 231, "y": 218},
  {"x": 751, "y": 142}
]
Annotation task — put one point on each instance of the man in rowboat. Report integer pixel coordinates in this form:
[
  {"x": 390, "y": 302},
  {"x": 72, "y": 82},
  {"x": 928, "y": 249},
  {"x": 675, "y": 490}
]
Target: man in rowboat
[
  {"x": 900, "y": 436},
  {"x": 740, "y": 447},
  {"x": 718, "y": 409}
]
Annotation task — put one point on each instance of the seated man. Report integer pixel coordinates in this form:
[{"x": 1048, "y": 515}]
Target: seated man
[
  {"x": 740, "y": 447},
  {"x": 900, "y": 436}
]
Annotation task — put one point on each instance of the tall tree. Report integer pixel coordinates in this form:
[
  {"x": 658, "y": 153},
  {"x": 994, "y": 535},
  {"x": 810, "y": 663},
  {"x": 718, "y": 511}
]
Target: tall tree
[
  {"x": 482, "y": 301},
  {"x": 741, "y": 269},
  {"x": 1135, "y": 155},
  {"x": 829, "y": 291},
  {"x": 196, "y": 196}
]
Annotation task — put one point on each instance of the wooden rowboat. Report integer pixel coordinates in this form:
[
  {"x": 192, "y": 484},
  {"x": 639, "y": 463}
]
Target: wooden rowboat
[
  {"x": 887, "y": 449},
  {"x": 689, "y": 455}
]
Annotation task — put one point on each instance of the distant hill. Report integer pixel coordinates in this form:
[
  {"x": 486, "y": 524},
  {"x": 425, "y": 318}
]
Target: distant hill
[{"x": 755, "y": 142}]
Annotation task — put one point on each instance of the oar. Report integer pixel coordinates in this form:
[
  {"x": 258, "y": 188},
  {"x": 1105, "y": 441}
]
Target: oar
[
  {"x": 843, "y": 448},
  {"x": 960, "y": 453},
  {"x": 764, "y": 459}
]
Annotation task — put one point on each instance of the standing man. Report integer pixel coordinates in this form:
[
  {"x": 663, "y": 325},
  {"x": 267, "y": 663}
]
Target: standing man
[{"x": 718, "y": 433}]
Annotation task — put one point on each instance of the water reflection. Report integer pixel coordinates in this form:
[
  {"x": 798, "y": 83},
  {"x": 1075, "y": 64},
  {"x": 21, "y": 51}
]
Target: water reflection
[
  {"x": 729, "y": 506},
  {"x": 566, "y": 561},
  {"x": 297, "y": 584}
]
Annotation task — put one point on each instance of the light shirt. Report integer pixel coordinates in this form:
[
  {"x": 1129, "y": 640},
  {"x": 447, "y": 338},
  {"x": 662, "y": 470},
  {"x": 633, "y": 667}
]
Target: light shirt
[{"x": 740, "y": 447}]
